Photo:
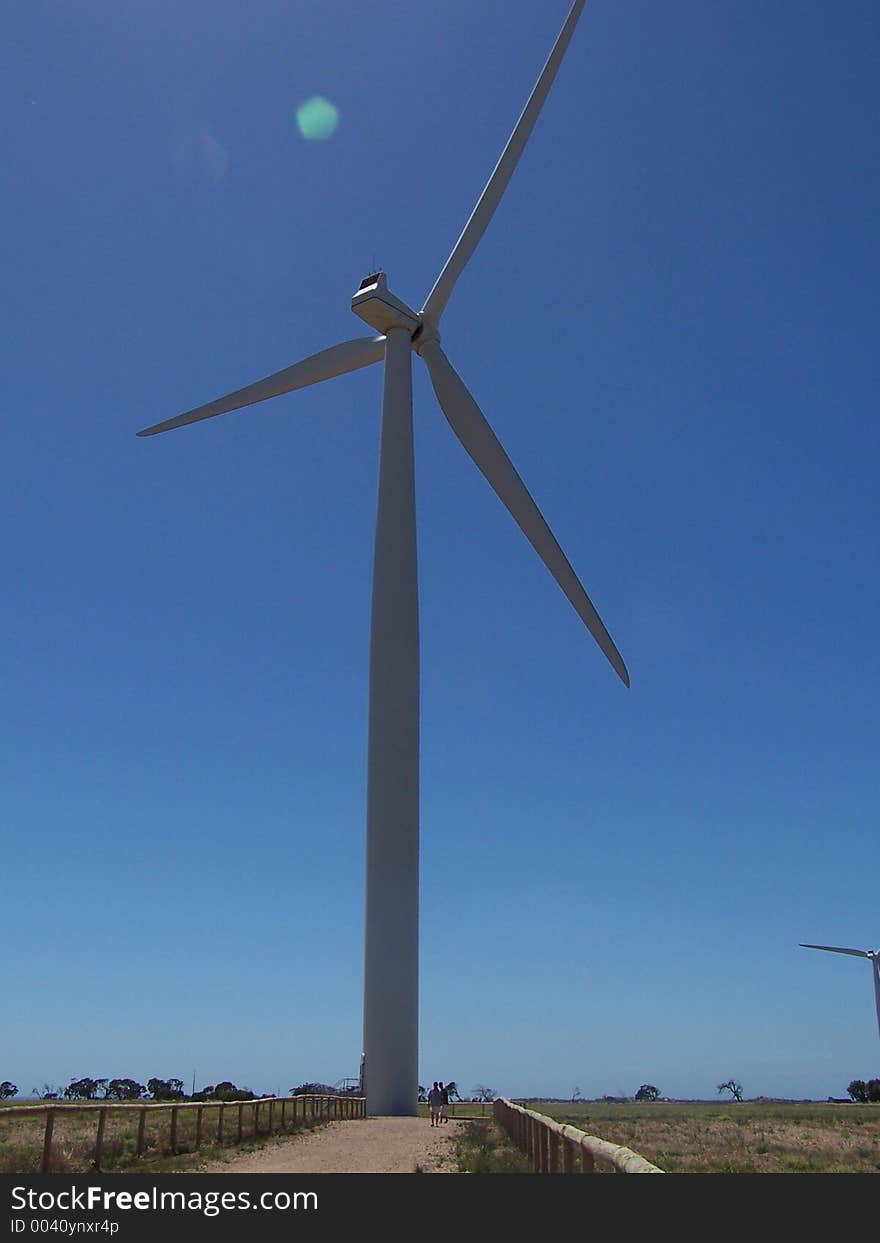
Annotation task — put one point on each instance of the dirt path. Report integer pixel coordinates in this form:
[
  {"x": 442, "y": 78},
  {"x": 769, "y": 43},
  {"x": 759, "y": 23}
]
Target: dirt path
[{"x": 366, "y": 1146}]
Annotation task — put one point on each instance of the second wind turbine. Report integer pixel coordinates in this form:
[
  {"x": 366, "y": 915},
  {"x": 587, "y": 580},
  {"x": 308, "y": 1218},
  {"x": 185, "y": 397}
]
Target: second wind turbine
[{"x": 392, "y": 907}]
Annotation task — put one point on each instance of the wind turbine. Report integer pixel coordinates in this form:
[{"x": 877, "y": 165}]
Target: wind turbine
[
  {"x": 872, "y": 955},
  {"x": 391, "y": 952}
]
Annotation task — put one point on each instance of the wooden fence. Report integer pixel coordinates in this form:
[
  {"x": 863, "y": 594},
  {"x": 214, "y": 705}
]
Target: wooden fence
[
  {"x": 555, "y": 1148},
  {"x": 216, "y": 1122}
]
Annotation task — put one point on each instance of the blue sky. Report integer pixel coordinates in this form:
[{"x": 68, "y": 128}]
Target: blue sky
[{"x": 671, "y": 325}]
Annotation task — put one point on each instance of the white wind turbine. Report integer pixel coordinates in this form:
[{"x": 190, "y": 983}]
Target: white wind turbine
[
  {"x": 391, "y": 958},
  {"x": 872, "y": 955}
]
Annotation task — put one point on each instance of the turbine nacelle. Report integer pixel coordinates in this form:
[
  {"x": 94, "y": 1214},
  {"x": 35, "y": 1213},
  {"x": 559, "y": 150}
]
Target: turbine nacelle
[{"x": 381, "y": 309}]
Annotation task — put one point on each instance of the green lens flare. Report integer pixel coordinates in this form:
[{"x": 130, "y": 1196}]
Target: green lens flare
[{"x": 317, "y": 118}]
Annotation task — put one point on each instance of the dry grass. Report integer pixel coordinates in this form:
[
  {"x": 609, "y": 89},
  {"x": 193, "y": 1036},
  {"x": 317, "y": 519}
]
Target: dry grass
[
  {"x": 483, "y": 1147},
  {"x": 73, "y": 1142},
  {"x": 746, "y": 1138}
]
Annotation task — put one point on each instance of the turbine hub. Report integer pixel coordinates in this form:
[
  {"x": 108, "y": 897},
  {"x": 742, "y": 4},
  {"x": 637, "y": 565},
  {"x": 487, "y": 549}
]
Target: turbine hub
[
  {"x": 380, "y": 309},
  {"x": 424, "y": 334}
]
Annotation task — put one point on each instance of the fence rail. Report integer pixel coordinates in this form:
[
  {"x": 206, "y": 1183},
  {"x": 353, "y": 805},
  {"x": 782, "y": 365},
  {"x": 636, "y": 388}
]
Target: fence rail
[
  {"x": 243, "y": 1119},
  {"x": 557, "y": 1148}
]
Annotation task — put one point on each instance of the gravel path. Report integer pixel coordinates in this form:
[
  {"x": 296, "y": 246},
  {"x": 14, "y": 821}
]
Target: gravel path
[{"x": 365, "y": 1146}]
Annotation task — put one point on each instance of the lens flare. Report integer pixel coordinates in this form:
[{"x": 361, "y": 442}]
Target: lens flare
[{"x": 317, "y": 118}]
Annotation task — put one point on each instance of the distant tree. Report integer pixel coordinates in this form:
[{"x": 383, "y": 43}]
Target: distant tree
[
  {"x": 314, "y": 1089},
  {"x": 452, "y": 1091},
  {"x": 124, "y": 1090},
  {"x": 873, "y": 1089},
  {"x": 734, "y": 1088},
  {"x": 647, "y": 1092},
  {"x": 48, "y": 1092},
  {"x": 7, "y": 1090},
  {"x": 858, "y": 1090},
  {"x": 165, "y": 1089},
  {"x": 227, "y": 1091},
  {"x": 576, "y": 1095},
  {"x": 82, "y": 1090},
  {"x": 423, "y": 1096},
  {"x": 482, "y": 1093}
]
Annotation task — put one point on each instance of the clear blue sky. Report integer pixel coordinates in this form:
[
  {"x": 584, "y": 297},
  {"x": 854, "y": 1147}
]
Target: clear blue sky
[{"x": 672, "y": 325}]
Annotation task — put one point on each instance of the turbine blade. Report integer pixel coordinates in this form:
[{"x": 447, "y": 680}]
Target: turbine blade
[
  {"x": 337, "y": 360},
  {"x": 497, "y": 183},
  {"x": 835, "y": 949},
  {"x": 470, "y": 426}
]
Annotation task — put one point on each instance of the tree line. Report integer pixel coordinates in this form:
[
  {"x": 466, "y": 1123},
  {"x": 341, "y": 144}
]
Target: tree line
[{"x": 87, "y": 1089}]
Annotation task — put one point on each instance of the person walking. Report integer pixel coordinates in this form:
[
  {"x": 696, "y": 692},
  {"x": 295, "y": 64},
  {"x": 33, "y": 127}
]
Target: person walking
[
  {"x": 444, "y": 1102},
  {"x": 435, "y": 1104}
]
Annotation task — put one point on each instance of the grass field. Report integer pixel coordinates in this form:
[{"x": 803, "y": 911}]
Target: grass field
[
  {"x": 482, "y": 1147},
  {"x": 679, "y": 1137},
  {"x": 747, "y": 1138},
  {"x": 73, "y": 1141},
  {"x": 462, "y": 1109}
]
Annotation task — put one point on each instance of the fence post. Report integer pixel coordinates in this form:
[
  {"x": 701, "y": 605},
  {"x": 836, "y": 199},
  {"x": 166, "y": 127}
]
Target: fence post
[
  {"x": 99, "y": 1140},
  {"x": 199, "y": 1113},
  {"x": 172, "y": 1139},
  {"x": 47, "y": 1141},
  {"x": 542, "y": 1148},
  {"x": 272, "y": 1116},
  {"x": 567, "y": 1155},
  {"x": 240, "y": 1120},
  {"x": 256, "y": 1117},
  {"x": 142, "y": 1122},
  {"x": 220, "y": 1123},
  {"x": 283, "y": 1112},
  {"x": 553, "y": 1154},
  {"x": 587, "y": 1163}
]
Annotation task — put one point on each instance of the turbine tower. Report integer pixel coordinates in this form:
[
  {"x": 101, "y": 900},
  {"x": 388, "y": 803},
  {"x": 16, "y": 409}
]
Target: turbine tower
[
  {"x": 872, "y": 955},
  {"x": 392, "y": 906}
]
